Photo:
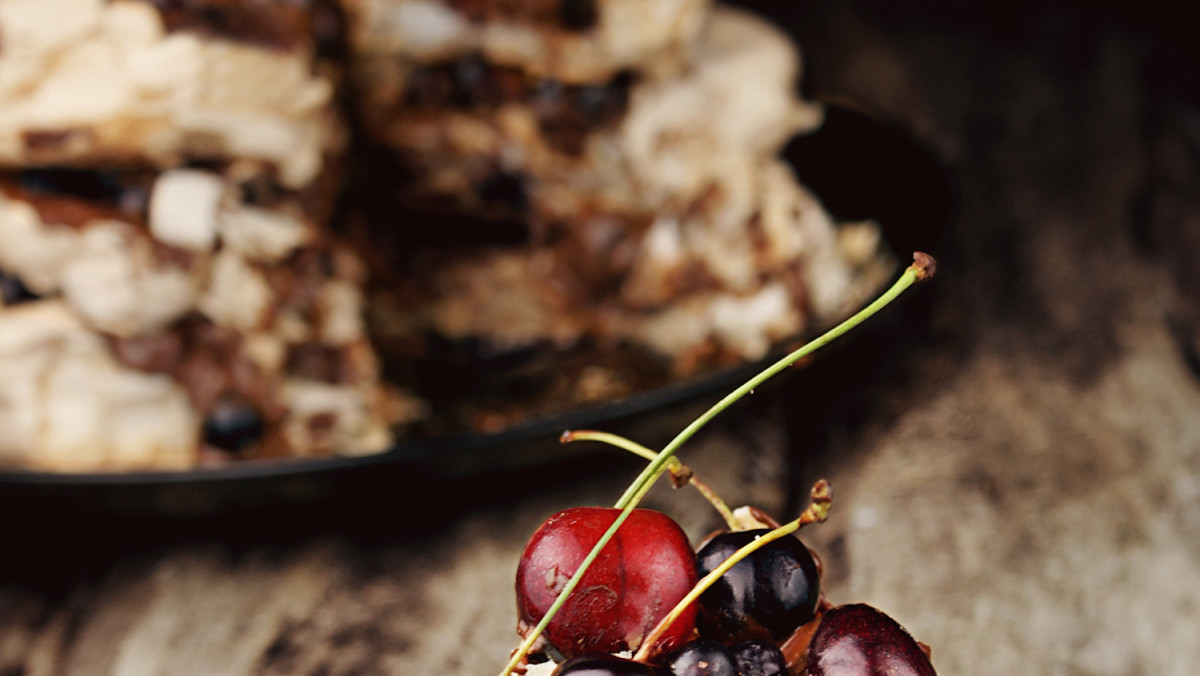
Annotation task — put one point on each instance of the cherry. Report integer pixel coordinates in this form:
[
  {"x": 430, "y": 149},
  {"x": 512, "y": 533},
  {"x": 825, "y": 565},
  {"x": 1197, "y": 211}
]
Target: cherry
[
  {"x": 759, "y": 658},
  {"x": 605, "y": 665},
  {"x": 764, "y": 596},
  {"x": 646, "y": 570},
  {"x": 701, "y": 658},
  {"x": 639, "y": 576},
  {"x": 858, "y": 640}
]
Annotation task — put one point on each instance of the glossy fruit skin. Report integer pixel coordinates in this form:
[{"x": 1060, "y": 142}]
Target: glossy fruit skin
[
  {"x": 858, "y": 640},
  {"x": 759, "y": 658},
  {"x": 605, "y": 665},
  {"x": 765, "y": 596},
  {"x": 637, "y": 579},
  {"x": 701, "y": 657}
]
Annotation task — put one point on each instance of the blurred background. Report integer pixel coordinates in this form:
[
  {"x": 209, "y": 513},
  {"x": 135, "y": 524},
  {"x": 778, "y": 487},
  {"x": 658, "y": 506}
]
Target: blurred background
[{"x": 1015, "y": 457}]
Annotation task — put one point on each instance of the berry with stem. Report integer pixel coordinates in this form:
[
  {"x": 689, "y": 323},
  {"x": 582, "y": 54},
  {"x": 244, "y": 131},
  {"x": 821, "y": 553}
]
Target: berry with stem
[
  {"x": 858, "y": 640},
  {"x": 817, "y": 511},
  {"x": 632, "y": 584},
  {"x": 922, "y": 268}
]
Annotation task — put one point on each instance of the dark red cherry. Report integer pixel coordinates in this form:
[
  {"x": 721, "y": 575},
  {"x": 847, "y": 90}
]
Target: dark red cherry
[
  {"x": 637, "y": 579},
  {"x": 605, "y": 665},
  {"x": 858, "y": 640},
  {"x": 759, "y": 658},
  {"x": 764, "y": 596},
  {"x": 701, "y": 658}
]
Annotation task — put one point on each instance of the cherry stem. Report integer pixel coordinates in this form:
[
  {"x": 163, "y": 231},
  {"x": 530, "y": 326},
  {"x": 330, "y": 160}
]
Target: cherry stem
[
  {"x": 817, "y": 512},
  {"x": 922, "y": 268},
  {"x": 679, "y": 471}
]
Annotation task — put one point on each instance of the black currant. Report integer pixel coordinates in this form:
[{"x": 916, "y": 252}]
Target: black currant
[
  {"x": 232, "y": 425},
  {"x": 701, "y": 658},
  {"x": 764, "y": 596}
]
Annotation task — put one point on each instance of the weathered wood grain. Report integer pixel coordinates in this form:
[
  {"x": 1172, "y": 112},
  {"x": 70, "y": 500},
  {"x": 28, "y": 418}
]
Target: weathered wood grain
[{"x": 1022, "y": 491}]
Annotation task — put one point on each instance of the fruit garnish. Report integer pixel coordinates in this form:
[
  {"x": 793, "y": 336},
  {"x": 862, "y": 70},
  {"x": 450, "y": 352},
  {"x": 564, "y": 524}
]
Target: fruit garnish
[
  {"x": 858, "y": 640},
  {"x": 922, "y": 268},
  {"x": 648, "y": 569},
  {"x": 767, "y": 595},
  {"x": 817, "y": 511}
]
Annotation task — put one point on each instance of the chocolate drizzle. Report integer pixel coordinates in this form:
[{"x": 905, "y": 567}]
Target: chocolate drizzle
[
  {"x": 572, "y": 15},
  {"x": 209, "y": 363},
  {"x": 74, "y": 197},
  {"x": 276, "y": 24},
  {"x": 13, "y": 291},
  {"x": 566, "y": 113}
]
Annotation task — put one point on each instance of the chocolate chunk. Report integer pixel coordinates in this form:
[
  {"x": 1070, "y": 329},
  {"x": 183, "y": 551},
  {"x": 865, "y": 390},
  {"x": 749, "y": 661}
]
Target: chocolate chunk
[
  {"x": 465, "y": 83},
  {"x": 263, "y": 190},
  {"x": 50, "y": 140},
  {"x": 506, "y": 191},
  {"x": 279, "y": 24},
  {"x": 156, "y": 352},
  {"x": 566, "y": 113},
  {"x": 325, "y": 363},
  {"x": 12, "y": 291},
  {"x": 578, "y": 15},
  {"x": 574, "y": 15},
  {"x": 73, "y": 197},
  {"x": 527, "y": 11}
]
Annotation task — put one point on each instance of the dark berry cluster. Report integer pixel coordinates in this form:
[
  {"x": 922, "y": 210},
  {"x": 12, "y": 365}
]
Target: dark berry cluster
[
  {"x": 763, "y": 616},
  {"x": 621, "y": 592}
]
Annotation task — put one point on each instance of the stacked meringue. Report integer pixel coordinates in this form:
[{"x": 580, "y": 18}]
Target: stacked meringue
[
  {"x": 603, "y": 174},
  {"x": 182, "y": 281},
  {"x": 172, "y": 292}
]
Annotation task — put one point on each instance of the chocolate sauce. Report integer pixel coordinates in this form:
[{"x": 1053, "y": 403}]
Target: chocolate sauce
[
  {"x": 507, "y": 191},
  {"x": 13, "y": 291},
  {"x": 565, "y": 113},
  {"x": 51, "y": 140},
  {"x": 276, "y": 24},
  {"x": 568, "y": 113},
  {"x": 237, "y": 400},
  {"x": 573, "y": 15},
  {"x": 73, "y": 197},
  {"x": 324, "y": 363},
  {"x": 578, "y": 15}
]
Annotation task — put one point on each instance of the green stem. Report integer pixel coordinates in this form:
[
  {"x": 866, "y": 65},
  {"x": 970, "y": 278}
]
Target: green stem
[
  {"x": 674, "y": 466},
  {"x": 922, "y": 268},
  {"x": 610, "y": 439}
]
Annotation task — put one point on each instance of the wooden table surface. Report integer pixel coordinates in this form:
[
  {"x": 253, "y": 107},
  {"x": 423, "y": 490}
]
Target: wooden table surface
[{"x": 1021, "y": 489}]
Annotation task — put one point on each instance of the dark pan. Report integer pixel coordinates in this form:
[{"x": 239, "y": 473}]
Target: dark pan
[{"x": 859, "y": 166}]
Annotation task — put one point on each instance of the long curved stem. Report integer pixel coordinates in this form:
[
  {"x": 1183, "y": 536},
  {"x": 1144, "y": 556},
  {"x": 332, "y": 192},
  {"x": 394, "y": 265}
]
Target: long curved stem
[
  {"x": 923, "y": 267},
  {"x": 679, "y": 472}
]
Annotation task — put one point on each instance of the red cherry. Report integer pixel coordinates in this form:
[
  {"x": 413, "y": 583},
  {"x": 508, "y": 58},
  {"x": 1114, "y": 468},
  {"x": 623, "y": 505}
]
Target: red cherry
[
  {"x": 858, "y": 640},
  {"x": 637, "y": 579}
]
